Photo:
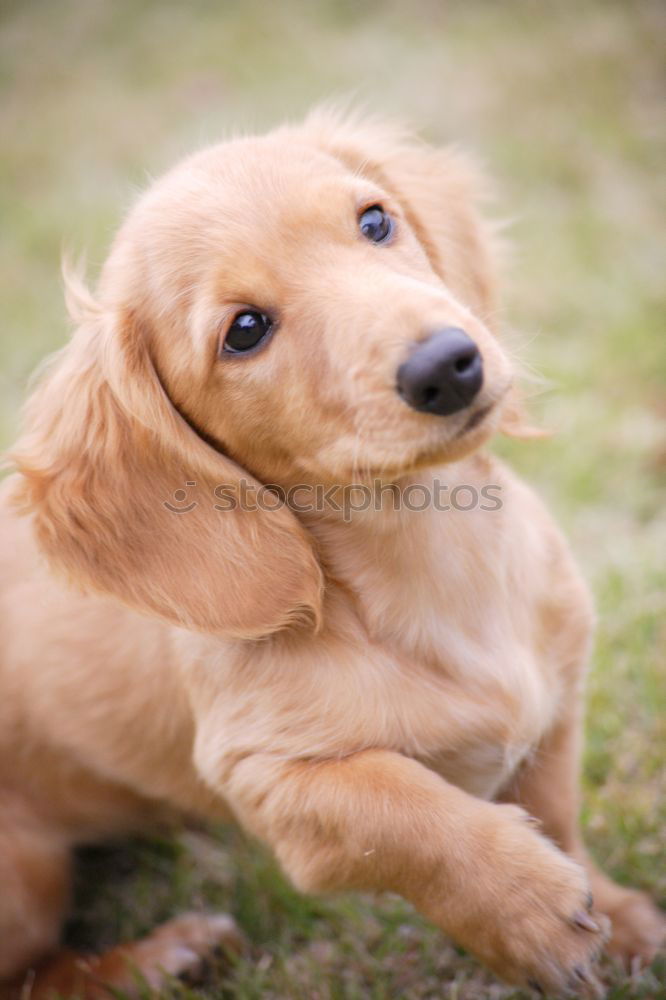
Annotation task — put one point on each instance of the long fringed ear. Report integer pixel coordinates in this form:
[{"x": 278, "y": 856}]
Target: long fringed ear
[{"x": 102, "y": 457}]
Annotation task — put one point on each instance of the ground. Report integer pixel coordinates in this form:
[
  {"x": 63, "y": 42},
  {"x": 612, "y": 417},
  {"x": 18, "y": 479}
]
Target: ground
[{"x": 562, "y": 102}]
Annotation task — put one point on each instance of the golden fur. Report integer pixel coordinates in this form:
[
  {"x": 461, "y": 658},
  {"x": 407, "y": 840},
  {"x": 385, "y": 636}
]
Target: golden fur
[{"x": 355, "y": 693}]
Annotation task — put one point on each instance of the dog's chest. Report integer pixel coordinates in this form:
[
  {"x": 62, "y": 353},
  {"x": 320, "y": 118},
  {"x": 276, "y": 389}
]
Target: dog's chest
[
  {"x": 434, "y": 646},
  {"x": 472, "y": 712},
  {"x": 462, "y": 685}
]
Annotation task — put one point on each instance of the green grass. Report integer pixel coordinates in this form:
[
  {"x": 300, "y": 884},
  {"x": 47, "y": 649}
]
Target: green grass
[{"x": 562, "y": 100}]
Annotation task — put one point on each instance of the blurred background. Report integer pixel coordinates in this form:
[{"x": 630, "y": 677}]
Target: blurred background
[{"x": 564, "y": 102}]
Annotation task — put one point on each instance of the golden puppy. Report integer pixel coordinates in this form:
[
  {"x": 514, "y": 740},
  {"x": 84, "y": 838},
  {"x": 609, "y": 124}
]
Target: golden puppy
[{"x": 385, "y": 695}]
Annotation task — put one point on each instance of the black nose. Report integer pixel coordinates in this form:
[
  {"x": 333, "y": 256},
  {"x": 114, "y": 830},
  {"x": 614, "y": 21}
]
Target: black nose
[{"x": 443, "y": 374}]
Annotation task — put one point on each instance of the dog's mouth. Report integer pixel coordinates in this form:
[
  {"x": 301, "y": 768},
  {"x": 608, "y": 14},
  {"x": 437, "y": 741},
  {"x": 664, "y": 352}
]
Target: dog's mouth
[
  {"x": 441, "y": 452},
  {"x": 475, "y": 419},
  {"x": 449, "y": 448}
]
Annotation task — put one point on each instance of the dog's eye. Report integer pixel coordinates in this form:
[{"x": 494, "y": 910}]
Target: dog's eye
[
  {"x": 246, "y": 331},
  {"x": 375, "y": 224}
]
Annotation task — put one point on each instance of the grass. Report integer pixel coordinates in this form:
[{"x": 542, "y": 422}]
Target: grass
[{"x": 563, "y": 101}]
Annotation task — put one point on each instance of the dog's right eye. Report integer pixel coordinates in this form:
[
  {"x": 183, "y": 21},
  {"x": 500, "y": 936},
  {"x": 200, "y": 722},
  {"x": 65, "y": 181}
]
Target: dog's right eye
[{"x": 246, "y": 332}]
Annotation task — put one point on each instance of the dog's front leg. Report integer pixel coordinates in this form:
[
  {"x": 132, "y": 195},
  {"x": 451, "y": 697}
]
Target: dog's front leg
[
  {"x": 547, "y": 786},
  {"x": 378, "y": 820}
]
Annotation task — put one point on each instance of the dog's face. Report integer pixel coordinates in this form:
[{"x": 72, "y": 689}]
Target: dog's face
[
  {"x": 314, "y": 305},
  {"x": 295, "y": 315}
]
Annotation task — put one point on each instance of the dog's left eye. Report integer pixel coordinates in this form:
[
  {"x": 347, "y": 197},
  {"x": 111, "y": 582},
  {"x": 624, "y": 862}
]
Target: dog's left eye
[
  {"x": 375, "y": 224},
  {"x": 247, "y": 330}
]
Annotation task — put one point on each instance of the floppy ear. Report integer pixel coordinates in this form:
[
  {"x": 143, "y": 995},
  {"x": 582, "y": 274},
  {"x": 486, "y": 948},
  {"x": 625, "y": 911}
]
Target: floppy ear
[{"x": 104, "y": 453}]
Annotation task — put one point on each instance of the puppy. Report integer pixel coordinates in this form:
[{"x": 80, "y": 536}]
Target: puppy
[{"x": 385, "y": 696}]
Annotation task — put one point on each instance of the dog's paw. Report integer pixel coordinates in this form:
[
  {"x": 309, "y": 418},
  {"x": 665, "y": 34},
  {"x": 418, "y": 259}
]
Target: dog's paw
[
  {"x": 638, "y": 928},
  {"x": 552, "y": 939},
  {"x": 530, "y": 916},
  {"x": 182, "y": 946}
]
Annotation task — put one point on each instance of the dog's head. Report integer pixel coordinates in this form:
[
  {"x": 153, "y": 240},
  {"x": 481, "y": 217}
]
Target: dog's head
[{"x": 317, "y": 303}]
